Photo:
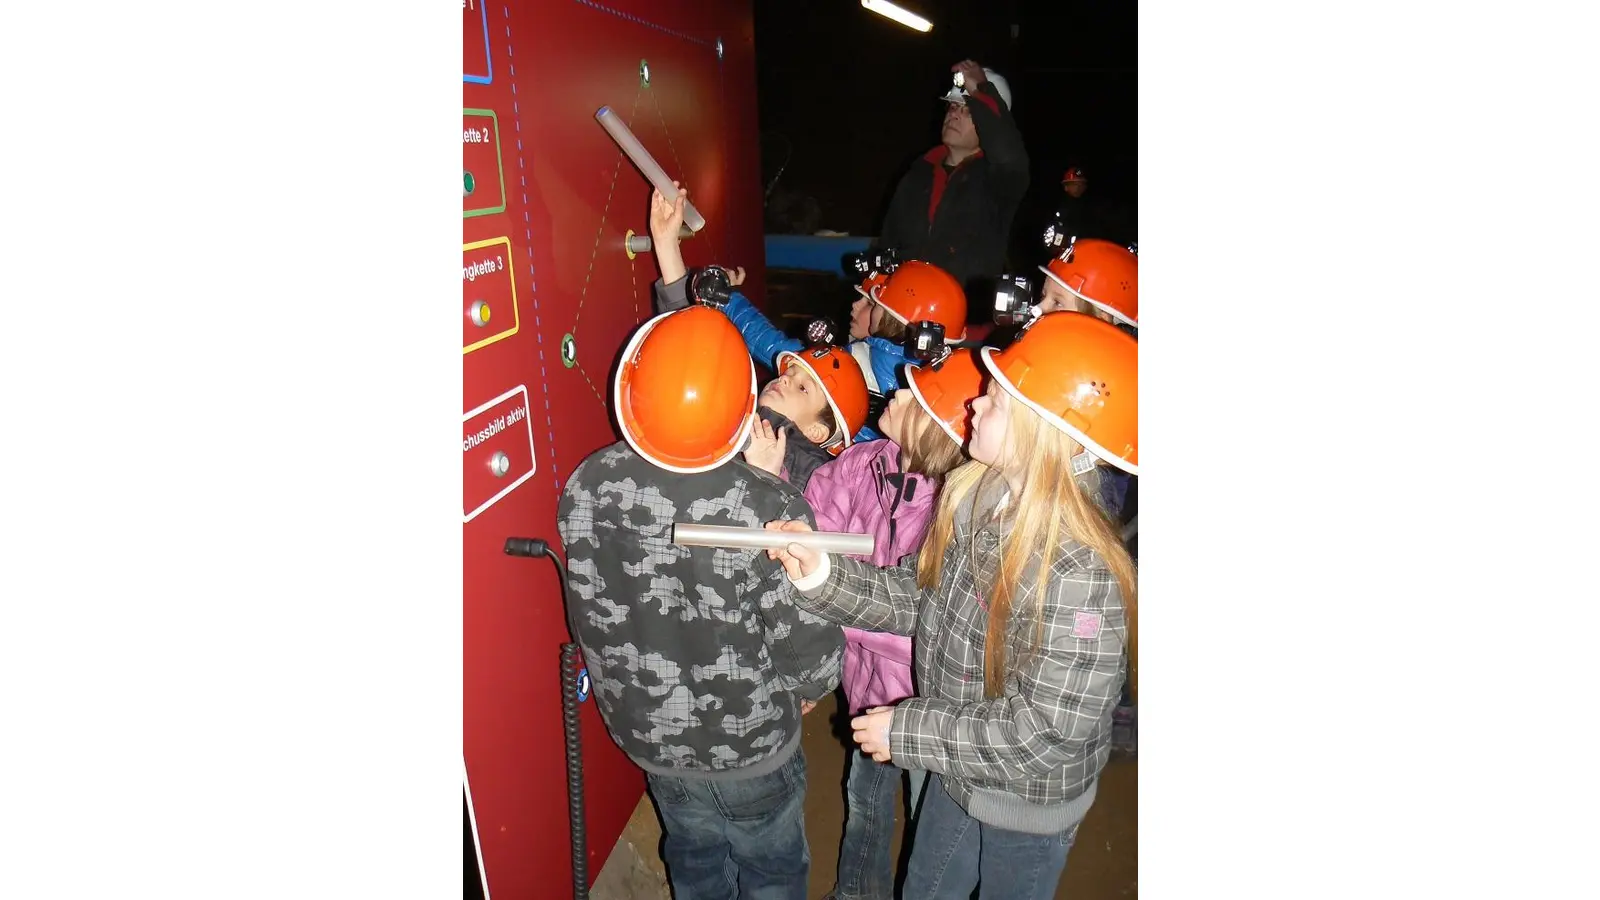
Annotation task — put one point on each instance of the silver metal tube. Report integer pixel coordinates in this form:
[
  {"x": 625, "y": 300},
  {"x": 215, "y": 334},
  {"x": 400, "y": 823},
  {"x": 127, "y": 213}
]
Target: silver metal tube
[
  {"x": 641, "y": 157},
  {"x": 641, "y": 243},
  {"x": 689, "y": 535}
]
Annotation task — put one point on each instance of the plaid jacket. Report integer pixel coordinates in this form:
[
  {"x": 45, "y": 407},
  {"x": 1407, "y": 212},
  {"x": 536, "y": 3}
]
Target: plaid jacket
[
  {"x": 1029, "y": 760},
  {"x": 698, "y": 655}
]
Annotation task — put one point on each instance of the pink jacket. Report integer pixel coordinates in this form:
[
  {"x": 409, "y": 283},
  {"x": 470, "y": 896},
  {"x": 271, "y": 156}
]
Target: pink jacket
[{"x": 864, "y": 491}]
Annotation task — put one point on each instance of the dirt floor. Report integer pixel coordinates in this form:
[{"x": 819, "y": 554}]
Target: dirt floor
[{"x": 1103, "y": 863}]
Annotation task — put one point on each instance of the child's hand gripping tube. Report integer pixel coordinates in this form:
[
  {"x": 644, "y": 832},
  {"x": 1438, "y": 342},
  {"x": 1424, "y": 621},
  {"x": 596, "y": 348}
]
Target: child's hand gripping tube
[{"x": 641, "y": 157}]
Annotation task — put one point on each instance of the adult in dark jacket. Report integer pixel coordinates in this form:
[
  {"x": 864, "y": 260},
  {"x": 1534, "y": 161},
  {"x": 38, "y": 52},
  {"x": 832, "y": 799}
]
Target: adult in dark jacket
[
  {"x": 1088, "y": 215},
  {"x": 955, "y": 206}
]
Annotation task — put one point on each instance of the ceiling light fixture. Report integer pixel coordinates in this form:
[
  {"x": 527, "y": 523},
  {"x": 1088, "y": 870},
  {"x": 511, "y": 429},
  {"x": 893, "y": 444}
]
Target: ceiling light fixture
[{"x": 890, "y": 11}]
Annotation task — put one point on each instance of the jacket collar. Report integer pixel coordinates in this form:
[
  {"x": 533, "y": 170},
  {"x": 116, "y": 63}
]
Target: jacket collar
[
  {"x": 894, "y": 486},
  {"x": 988, "y": 504},
  {"x": 939, "y": 154},
  {"x": 798, "y": 446}
]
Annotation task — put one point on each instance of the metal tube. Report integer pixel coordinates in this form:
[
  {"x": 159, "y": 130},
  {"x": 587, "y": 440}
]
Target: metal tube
[
  {"x": 641, "y": 243},
  {"x": 641, "y": 157},
  {"x": 685, "y": 534}
]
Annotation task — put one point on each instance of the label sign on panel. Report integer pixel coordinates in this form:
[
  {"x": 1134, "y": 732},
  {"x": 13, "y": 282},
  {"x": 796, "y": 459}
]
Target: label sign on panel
[
  {"x": 488, "y": 294},
  {"x": 483, "y": 176},
  {"x": 475, "y": 61},
  {"x": 497, "y": 451}
]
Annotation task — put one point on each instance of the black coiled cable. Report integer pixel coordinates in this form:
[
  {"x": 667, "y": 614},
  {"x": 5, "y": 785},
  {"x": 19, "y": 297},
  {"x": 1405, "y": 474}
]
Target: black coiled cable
[
  {"x": 572, "y": 732},
  {"x": 574, "y": 742}
]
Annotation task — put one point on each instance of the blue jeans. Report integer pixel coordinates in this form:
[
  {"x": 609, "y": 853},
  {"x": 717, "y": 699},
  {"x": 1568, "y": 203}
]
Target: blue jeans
[
  {"x": 954, "y": 852},
  {"x": 866, "y": 871},
  {"x": 742, "y": 839}
]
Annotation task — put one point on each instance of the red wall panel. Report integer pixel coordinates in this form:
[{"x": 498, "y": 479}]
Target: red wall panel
[{"x": 549, "y": 297}]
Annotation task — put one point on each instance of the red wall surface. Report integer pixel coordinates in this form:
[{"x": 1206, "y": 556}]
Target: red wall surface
[{"x": 552, "y": 200}]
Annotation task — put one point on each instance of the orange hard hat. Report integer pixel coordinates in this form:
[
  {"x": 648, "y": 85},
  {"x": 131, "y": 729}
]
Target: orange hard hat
[
  {"x": 1082, "y": 375},
  {"x": 944, "y": 393},
  {"x": 923, "y": 292},
  {"x": 872, "y": 286},
  {"x": 1104, "y": 273},
  {"x": 843, "y": 385},
  {"x": 685, "y": 393}
]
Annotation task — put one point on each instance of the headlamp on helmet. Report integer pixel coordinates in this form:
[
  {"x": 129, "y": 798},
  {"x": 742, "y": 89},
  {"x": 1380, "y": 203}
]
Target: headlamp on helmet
[
  {"x": 883, "y": 261},
  {"x": 925, "y": 342},
  {"x": 1056, "y": 237},
  {"x": 1013, "y": 300},
  {"x": 821, "y": 333},
  {"x": 710, "y": 287}
]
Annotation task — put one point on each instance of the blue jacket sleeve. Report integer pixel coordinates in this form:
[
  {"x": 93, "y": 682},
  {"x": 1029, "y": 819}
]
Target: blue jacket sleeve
[
  {"x": 888, "y": 358},
  {"x": 763, "y": 339}
]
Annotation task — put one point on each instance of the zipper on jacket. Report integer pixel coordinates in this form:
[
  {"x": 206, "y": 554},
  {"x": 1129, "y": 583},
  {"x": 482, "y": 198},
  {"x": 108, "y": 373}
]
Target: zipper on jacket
[{"x": 880, "y": 471}]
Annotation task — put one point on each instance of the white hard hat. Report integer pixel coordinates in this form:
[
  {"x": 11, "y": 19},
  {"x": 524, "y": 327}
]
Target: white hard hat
[{"x": 959, "y": 95}]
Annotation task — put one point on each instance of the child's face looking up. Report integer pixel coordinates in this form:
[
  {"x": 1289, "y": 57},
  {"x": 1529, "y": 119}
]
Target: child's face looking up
[
  {"x": 991, "y": 426},
  {"x": 1054, "y": 298},
  {"x": 865, "y": 316},
  {"x": 796, "y": 395},
  {"x": 895, "y": 423}
]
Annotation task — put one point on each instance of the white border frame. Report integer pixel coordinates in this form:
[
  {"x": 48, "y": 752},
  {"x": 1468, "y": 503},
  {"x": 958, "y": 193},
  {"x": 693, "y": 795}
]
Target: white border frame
[{"x": 472, "y": 818}]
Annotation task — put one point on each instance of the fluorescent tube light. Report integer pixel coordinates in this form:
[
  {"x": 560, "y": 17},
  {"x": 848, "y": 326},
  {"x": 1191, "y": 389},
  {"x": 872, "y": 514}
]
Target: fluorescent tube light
[{"x": 890, "y": 11}]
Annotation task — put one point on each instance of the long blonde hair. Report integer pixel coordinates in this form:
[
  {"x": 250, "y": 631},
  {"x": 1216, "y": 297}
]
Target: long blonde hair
[
  {"x": 928, "y": 451},
  {"x": 1049, "y": 502}
]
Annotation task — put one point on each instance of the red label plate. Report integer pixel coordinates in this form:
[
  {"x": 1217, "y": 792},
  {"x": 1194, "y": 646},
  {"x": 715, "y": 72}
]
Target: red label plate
[{"x": 497, "y": 451}]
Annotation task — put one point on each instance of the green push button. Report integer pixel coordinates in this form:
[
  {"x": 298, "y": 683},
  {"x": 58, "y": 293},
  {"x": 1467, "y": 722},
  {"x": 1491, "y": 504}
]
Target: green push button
[{"x": 470, "y": 184}]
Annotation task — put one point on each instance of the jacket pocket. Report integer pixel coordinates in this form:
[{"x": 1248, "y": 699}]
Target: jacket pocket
[{"x": 670, "y": 791}]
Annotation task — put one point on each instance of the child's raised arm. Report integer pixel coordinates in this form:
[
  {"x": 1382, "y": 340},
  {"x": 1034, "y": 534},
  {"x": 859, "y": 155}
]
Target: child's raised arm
[
  {"x": 666, "y": 228},
  {"x": 666, "y": 219}
]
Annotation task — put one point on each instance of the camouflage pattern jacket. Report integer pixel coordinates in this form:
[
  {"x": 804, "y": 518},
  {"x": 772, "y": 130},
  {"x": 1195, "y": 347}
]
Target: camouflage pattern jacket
[{"x": 698, "y": 656}]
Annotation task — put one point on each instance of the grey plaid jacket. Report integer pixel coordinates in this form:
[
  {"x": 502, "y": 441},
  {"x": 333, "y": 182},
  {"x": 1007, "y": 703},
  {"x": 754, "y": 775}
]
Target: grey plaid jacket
[
  {"x": 1029, "y": 760},
  {"x": 698, "y": 656}
]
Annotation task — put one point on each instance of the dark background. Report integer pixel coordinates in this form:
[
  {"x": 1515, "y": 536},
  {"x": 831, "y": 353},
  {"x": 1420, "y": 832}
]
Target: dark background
[{"x": 848, "y": 99}]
